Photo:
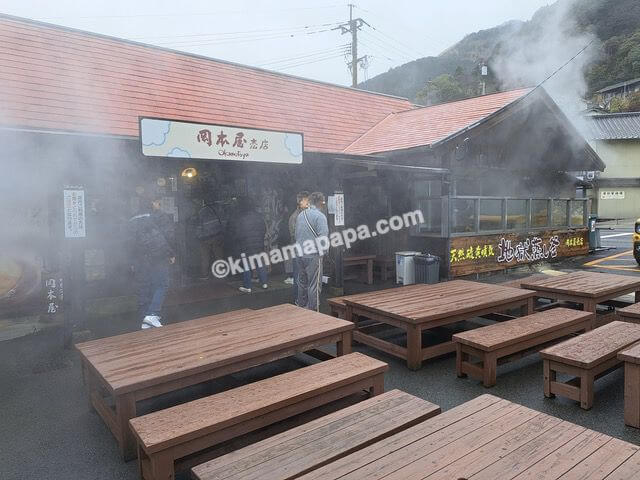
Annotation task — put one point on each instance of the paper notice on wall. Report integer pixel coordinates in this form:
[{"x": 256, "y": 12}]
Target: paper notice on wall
[
  {"x": 331, "y": 204},
  {"x": 74, "y": 214},
  {"x": 339, "y": 215}
]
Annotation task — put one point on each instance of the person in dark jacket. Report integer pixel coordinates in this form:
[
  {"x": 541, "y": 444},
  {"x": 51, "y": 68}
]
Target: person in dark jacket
[
  {"x": 246, "y": 233},
  {"x": 153, "y": 249}
]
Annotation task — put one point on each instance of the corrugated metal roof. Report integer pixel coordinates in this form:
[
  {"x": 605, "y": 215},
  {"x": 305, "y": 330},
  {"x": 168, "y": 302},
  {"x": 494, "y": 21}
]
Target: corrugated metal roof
[
  {"x": 613, "y": 126},
  {"x": 62, "y": 79},
  {"x": 428, "y": 125}
]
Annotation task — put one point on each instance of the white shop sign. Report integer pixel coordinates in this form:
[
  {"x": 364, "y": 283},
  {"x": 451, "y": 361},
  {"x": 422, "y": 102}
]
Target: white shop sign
[
  {"x": 169, "y": 138},
  {"x": 339, "y": 215},
  {"x": 611, "y": 194},
  {"x": 74, "y": 214}
]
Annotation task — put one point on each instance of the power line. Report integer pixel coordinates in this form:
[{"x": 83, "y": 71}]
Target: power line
[
  {"x": 308, "y": 62},
  {"x": 340, "y": 49},
  {"x": 218, "y": 13},
  {"x": 386, "y": 46},
  {"x": 213, "y": 34}
]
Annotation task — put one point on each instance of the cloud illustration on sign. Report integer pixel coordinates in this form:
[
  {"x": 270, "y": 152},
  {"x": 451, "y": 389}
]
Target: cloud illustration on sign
[
  {"x": 178, "y": 152},
  {"x": 154, "y": 132},
  {"x": 293, "y": 143}
]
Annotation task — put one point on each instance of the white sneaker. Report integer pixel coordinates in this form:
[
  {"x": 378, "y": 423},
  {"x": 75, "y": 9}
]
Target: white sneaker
[
  {"x": 151, "y": 321},
  {"x": 289, "y": 280},
  {"x": 244, "y": 290},
  {"x": 265, "y": 286}
]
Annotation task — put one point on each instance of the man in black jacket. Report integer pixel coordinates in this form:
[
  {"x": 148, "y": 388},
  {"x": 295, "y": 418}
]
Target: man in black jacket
[
  {"x": 246, "y": 233},
  {"x": 153, "y": 248}
]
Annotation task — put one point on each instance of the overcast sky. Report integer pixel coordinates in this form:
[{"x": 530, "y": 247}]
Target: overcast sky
[{"x": 290, "y": 36}]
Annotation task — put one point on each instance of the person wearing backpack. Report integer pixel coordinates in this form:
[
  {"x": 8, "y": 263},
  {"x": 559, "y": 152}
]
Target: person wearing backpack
[
  {"x": 310, "y": 224},
  {"x": 153, "y": 245}
]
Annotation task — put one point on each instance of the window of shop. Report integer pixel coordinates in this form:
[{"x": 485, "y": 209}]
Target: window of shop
[
  {"x": 559, "y": 213},
  {"x": 463, "y": 215},
  {"x": 517, "y": 213},
  {"x": 578, "y": 213},
  {"x": 539, "y": 213},
  {"x": 491, "y": 214},
  {"x": 427, "y": 196}
]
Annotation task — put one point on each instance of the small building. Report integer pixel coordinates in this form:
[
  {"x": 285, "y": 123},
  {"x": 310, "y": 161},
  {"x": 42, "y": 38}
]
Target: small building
[
  {"x": 616, "y": 139},
  {"x": 618, "y": 90},
  {"x": 493, "y": 175}
]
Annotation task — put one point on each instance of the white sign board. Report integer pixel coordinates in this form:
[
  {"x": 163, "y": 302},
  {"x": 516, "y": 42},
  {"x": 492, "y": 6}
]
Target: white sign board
[
  {"x": 611, "y": 194},
  {"x": 74, "y": 218},
  {"x": 339, "y": 215},
  {"x": 168, "y": 138}
]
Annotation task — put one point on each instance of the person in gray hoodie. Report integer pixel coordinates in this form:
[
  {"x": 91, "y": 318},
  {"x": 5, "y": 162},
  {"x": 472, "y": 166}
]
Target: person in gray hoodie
[{"x": 310, "y": 224}]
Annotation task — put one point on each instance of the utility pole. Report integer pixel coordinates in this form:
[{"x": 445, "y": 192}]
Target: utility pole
[{"x": 352, "y": 27}]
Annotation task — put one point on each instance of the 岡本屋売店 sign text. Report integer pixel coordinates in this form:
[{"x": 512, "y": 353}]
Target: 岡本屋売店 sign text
[{"x": 169, "y": 138}]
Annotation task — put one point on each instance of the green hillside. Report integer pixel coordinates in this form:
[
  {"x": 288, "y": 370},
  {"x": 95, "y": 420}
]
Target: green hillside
[{"x": 548, "y": 39}]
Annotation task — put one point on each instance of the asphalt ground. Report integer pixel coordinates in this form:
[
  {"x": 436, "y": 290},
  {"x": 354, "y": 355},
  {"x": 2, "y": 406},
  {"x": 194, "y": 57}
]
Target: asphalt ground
[{"x": 47, "y": 430}]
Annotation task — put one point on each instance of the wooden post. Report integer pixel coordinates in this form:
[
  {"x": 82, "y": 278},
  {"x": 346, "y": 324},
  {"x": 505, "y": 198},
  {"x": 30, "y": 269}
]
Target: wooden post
[
  {"x": 344, "y": 346},
  {"x": 125, "y": 410},
  {"x": 414, "y": 347},
  {"x": 460, "y": 357},
  {"x": 586, "y": 390},
  {"x": 549, "y": 376},
  {"x": 489, "y": 367},
  {"x": 632, "y": 394}
]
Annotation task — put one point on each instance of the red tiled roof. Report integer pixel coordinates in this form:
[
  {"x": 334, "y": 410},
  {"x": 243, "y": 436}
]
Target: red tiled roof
[
  {"x": 428, "y": 125},
  {"x": 62, "y": 79}
]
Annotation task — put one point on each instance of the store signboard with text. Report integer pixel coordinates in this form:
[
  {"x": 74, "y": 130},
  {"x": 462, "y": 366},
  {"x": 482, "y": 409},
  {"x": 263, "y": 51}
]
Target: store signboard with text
[
  {"x": 199, "y": 141},
  {"x": 485, "y": 253}
]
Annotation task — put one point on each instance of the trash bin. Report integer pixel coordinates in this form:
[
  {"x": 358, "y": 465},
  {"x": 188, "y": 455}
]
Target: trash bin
[
  {"x": 594, "y": 234},
  {"x": 405, "y": 271},
  {"x": 427, "y": 268}
]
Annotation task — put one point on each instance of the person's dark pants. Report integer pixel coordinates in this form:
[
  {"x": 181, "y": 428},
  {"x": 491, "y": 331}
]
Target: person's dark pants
[
  {"x": 153, "y": 283},
  {"x": 295, "y": 279},
  {"x": 262, "y": 275},
  {"x": 309, "y": 282}
]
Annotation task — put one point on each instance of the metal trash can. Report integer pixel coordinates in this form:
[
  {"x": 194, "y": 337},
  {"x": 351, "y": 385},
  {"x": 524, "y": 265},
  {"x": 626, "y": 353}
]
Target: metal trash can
[
  {"x": 427, "y": 268},
  {"x": 594, "y": 233}
]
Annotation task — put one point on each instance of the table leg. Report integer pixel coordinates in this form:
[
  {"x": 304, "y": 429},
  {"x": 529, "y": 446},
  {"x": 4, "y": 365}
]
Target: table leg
[
  {"x": 589, "y": 306},
  {"x": 414, "y": 347},
  {"x": 90, "y": 384},
  {"x": 460, "y": 357},
  {"x": 586, "y": 390},
  {"x": 344, "y": 345},
  {"x": 637, "y": 299},
  {"x": 528, "y": 308},
  {"x": 370, "y": 272},
  {"x": 162, "y": 466},
  {"x": 549, "y": 376},
  {"x": 348, "y": 313},
  {"x": 632, "y": 394},
  {"x": 489, "y": 367},
  {"x": 125, "y": 410}
]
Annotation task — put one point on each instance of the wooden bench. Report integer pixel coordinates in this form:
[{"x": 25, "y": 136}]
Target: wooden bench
[
  {"x": 515, "y": 338},
  {"x": 312, "y": 445},
  {"x": 627, "y": 314},
  {"x": 586, "y": 357},
  {"x": 386, "y": 265},
  {"x": 366, "y": 260},
  {"x": 631, "y": 359},
  {"x": 337, "y": 307},
  {"x": 167, "y": 436}
]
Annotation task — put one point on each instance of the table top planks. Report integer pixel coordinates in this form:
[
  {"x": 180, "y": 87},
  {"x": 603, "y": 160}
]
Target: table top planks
[
  {"x": 489, "y": 438},
  {"x": 584, "y": 284},
  {"x": 631, "y": 354},
  {"x": 149, "y": 357},
  {"x": 321, "y": 441},
  {"x": 498, "y": 335},
  {"x": 632, "y": 311},
  {"x": 594, "y": 347},
  {"x": 421, "y": 303}
]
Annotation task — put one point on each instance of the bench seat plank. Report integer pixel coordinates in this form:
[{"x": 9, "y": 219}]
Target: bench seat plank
[
  {"x": 500, "y": 335},
  {"x": 594, "y": 347},
  {"x": 630, "y": 313},
  {"x": 160, "y": 430},
  {"x": 317, "y": 443}
]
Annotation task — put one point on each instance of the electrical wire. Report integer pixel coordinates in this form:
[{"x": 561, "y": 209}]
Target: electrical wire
[
  {"x": 309, "y": 62},
  {"x": 340, "y": 49},
  {"x": 386, "y": 47}
]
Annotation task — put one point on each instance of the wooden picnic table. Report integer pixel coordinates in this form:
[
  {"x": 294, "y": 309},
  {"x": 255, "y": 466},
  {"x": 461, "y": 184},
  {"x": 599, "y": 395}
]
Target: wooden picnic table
[
  {"x": 630, "y": 313},
  {"x": 147, "y": 363},
  {"x": 489, "y": 438},
  {"x": 586, "y": 288},
  {"x": 420, "y": 307},
  {"x": 366, "y": 260}
]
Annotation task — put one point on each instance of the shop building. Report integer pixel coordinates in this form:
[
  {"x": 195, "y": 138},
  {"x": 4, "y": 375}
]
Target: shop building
[{"x": 492, "y": 175}]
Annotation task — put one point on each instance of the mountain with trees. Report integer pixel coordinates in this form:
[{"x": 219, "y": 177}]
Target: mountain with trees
[{"x": 520, "y": 54}]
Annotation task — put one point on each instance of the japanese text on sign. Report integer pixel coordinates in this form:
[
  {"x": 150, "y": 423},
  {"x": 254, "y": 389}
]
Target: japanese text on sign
[
  {"x": 74, "y": 214},
  {"x": 473, "y": 252},
  {"x": 54, "y": 294},
  {"x": 527, "y": 250}
]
